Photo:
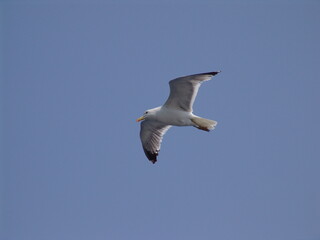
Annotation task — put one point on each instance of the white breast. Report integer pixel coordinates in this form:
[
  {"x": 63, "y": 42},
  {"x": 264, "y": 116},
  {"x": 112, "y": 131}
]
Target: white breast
[{"x": 174, "y": 117}]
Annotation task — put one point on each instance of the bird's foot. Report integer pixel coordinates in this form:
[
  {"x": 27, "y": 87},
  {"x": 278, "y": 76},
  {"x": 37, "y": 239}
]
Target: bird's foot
[{"x": 203, "y": 128}]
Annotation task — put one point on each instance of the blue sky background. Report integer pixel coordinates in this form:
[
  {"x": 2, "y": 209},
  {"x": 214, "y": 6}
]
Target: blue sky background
[{"x": 75, "y": 76}]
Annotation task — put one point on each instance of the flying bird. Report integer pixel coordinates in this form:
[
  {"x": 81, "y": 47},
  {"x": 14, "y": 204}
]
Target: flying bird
[{"x": 177, "y": 111}]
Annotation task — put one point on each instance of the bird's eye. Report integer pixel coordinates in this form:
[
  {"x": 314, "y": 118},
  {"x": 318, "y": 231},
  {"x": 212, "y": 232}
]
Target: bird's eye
[{"x": 146, "y": 112}]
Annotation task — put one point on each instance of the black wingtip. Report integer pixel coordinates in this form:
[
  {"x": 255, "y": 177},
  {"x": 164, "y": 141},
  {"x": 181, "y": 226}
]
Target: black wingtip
[
  {"x": 212, "y": 73},
  {"x": 153, "y": 160},
  {"x": 208, "y": 73},
  {"x": 151, "y": 156}
]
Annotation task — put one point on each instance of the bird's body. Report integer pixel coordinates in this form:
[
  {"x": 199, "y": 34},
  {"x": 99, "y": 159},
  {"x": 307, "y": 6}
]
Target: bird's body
[
  {"x": 177, "y": 111},
  {"x": 172, "y": 117}
]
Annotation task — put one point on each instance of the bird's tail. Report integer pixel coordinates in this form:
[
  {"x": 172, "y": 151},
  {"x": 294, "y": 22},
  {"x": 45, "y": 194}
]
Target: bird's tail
[{"x": 204, "y": 124}]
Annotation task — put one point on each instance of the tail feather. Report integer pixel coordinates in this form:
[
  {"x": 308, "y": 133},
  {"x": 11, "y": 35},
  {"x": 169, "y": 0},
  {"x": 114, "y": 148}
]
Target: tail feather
[{"x": 204, "y": 124}]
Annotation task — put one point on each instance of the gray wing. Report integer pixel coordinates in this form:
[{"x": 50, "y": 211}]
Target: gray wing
[
  {"x": 183, "y": 90},
  {"x": 151, "y": 134}
]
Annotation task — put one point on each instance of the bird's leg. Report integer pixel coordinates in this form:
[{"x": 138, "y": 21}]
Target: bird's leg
[{"x": 203, "y": 128}]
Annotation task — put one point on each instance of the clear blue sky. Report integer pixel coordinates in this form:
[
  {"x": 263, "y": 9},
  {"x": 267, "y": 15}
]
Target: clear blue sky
[{"x": 75, "y": 76}]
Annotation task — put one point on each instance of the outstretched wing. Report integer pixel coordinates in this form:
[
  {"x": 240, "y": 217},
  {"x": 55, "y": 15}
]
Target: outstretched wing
[
  {"x": 151, "y": 134},
  {"x": 183, "y": 90}
]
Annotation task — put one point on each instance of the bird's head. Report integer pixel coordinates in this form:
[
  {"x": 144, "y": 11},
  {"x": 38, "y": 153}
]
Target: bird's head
[{"x": 148, "y": 114}]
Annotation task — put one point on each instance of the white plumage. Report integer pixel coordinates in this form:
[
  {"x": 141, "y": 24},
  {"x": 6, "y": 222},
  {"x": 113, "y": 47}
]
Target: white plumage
[{"x": 177, "y": 111}]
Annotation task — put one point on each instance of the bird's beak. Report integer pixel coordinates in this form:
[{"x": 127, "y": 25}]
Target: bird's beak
[{"x": 140, "y": 119}]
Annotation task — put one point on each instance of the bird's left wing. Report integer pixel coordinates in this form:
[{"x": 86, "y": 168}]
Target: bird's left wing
[
  {"x": 151, "y": 134},
  {"x": 183, "y": 90}
]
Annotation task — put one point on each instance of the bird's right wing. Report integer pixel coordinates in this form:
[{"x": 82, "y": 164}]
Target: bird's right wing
[{"x": 151, "y": 134}]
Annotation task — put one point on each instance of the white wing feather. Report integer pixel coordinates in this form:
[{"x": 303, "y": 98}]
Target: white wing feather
[
  {"x": 151, "y": 134},
  {"x": 183, "y": 90}
]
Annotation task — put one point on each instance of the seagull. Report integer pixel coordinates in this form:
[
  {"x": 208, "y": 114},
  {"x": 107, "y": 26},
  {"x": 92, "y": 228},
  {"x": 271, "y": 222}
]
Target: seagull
[{"x": 177, "y": 111}]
